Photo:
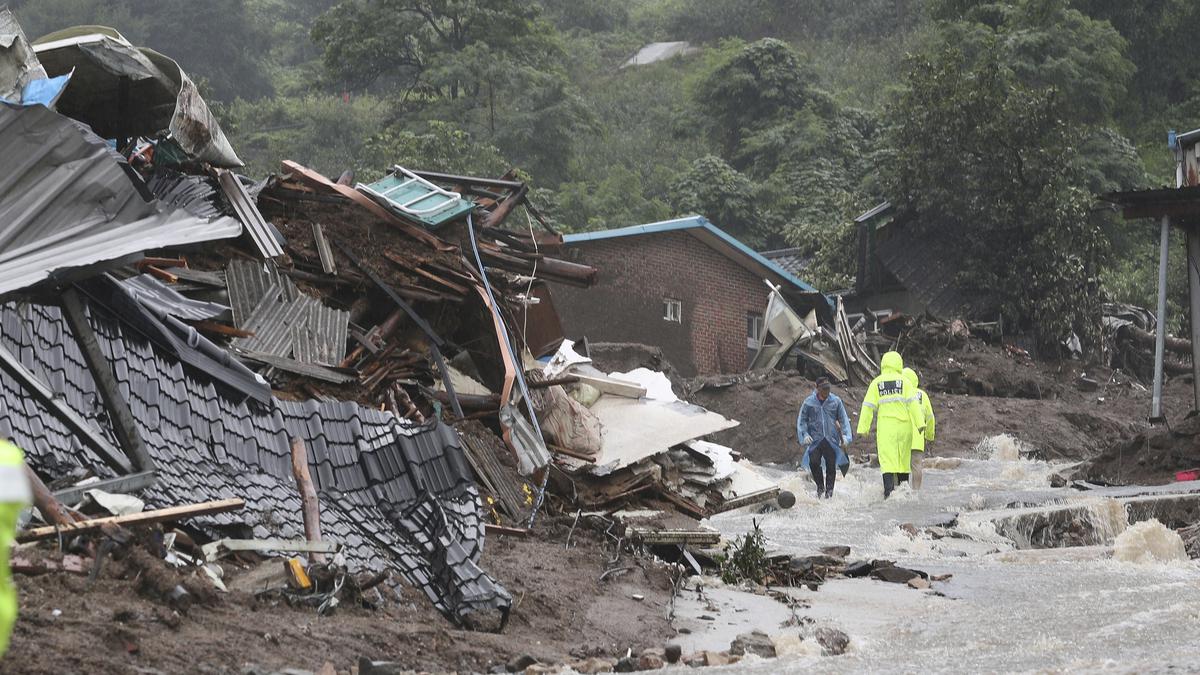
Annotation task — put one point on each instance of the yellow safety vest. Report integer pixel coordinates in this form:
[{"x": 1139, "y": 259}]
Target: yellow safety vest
[{"x": 14, "y": 496}]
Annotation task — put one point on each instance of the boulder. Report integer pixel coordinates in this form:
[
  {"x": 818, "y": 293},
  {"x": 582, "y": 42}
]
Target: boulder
[
  {"x": 896, "y": 575},
  {"x": 836, "y": 551},
  {"x": 757, "y": 643},
  {"x": 833, "y": 641},
  {"x": 860, "y": 568},
  {"x": 651, "y": 659},
  {"x": 673, "y": 652},
  {"x": 516, "y": 664}
]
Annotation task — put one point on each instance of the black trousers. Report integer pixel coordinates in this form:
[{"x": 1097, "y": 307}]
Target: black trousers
[
  {"x": 824, "y": 479},
  {"x": 891, "y": 480}
]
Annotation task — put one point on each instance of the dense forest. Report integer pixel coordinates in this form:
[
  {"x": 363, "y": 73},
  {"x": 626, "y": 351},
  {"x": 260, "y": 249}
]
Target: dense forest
[{"x": 996, "y": 122}]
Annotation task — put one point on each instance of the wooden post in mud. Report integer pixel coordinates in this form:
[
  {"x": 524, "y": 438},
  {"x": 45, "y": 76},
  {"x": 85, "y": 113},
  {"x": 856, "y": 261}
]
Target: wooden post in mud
[{"x": 310, "y": 507}]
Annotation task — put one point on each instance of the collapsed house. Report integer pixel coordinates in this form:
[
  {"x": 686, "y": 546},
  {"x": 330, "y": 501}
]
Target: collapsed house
[{"x": 376, "y": 368}]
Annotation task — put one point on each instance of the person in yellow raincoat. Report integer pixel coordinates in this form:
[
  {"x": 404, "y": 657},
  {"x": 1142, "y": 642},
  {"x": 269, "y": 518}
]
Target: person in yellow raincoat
[
  {"x": 14, "y": 497},
  {"x": 894, "y": 401},
  {"x": 919, "y": 440}
]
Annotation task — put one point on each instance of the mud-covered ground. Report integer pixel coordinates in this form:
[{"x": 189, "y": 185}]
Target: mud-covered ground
[{"x": 561, "y": 612}]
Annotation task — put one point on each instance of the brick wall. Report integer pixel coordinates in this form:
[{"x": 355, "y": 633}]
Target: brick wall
[{"x": 636, "y": 273}]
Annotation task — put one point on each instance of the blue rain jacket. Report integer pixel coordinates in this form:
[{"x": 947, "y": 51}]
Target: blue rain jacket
[{"x": 818, "y": 421}]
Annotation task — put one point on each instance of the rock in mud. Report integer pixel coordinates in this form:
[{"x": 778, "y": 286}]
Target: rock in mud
[
  {"x": 594, "y": 665},
  {"x": 807, "y": 562},
  {"x": 651, "y": 659},
  {"x": 673, "y": 652},
  {"x": 718, "y": 659},
  {"x": 836, "y": 551},
  {"x": 857, "y": 569},
  {"x": 757, "y": 643},
  {"x": 909, "y": 529},
  {"x": 896, "y": 575},
  {"x": 833, "y": 641},
  {"x": 368, "y": 667},
  {"x": 519, "y": 663}
]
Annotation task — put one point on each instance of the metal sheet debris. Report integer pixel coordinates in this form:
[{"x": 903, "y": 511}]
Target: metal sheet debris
[
  {"x": 158, "y": 94},
  {"x": 55, "y": 174}
]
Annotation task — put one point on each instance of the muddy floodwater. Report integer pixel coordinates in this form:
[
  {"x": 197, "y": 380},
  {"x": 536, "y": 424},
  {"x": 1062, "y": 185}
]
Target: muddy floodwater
[{"x": 1018, "y": 599}]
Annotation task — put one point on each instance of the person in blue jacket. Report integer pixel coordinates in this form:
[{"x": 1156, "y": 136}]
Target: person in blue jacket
[{"x": 823, "y": 427}]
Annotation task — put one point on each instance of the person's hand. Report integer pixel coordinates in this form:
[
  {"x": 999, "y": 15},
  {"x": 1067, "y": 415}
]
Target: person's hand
[{"x": 808, "y": 440}]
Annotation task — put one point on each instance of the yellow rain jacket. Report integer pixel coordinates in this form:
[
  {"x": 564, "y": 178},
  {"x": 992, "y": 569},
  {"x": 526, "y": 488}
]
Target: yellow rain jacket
[
  {"x": 14, "y": 496},
  {"x": 894, "y": 400},
  {"x": 919, "y": 439}
]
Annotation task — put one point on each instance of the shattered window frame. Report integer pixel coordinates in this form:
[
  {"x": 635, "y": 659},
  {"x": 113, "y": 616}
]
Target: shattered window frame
[
  {"x": 754, "y": 329},
  {"x": 673, "y": 310}
]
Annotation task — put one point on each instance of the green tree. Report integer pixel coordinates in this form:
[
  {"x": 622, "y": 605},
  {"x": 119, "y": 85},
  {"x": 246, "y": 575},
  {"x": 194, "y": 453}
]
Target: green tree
[
  {"x": 978, "y": 159},
  {"x": 717, "y": 191}
]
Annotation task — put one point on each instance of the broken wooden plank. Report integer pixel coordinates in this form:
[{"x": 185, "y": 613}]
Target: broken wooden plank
[
  {"x": 746, "y": 500},
  {"x": 323, "y": 251},
  {"x": 693, "y": 537},
  {"x": 215, "y": 550},
  {"x": 611, "y": 385},
  {"x": 507, "y": 531},
  {"x": 134, "y": 519},
  {"x": 225, "y": 330}
]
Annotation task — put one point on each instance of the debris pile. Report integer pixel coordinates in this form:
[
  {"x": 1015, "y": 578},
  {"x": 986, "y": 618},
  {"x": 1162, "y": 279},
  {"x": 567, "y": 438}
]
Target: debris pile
[
  {"x": 328, "y": 380},
  {"x": 273, "y": 364}
]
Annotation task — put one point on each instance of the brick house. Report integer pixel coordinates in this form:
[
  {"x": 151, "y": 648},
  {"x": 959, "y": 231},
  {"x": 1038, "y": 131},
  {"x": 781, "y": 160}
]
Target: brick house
[{"x": 682, "y": 285}]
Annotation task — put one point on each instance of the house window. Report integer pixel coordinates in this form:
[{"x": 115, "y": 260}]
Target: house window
[
  {"x": 672, "y": 310},
  {"x": 754, "y": 330}
]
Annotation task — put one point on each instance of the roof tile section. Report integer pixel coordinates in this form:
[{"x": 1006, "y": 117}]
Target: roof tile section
[
  {"x": 394, "y": 496},
  {"x": 66, "y": 202}
]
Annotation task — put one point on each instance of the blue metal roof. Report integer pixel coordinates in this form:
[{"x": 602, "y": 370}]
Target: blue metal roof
[{"x": 692, "y": 223}]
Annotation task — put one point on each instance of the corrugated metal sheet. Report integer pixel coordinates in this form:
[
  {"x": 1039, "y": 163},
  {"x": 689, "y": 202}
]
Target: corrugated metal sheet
[
  {"x": 261, "y": 232},
  {"x": 285, "y": 322},
  {"x": 395, "y": 496},
  {"x": 164, "y": 300},
  {"x": 310, "y": 370},
  {"x": 273, "y": 323},
  {"x": 193, "y": 194},
  {"x": 248, "y": 282},
  {"x": 322, "y": 339},
  {"x": 66, "y": 202}
]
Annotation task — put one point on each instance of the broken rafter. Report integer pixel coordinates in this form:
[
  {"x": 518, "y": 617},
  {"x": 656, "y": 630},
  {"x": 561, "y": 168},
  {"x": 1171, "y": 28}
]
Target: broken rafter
[
  {"x": 88, "y": 434},
  {"x": 310, "y": 508},
  {"x": 435, "y": 340},
  {"x": 124, "y": 426}
]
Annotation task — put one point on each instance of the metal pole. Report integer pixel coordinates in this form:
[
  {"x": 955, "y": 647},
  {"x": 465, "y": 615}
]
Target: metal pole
[
  {"x": 1160, "y": 333},
  {"x": 1193, "y": 263}
]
